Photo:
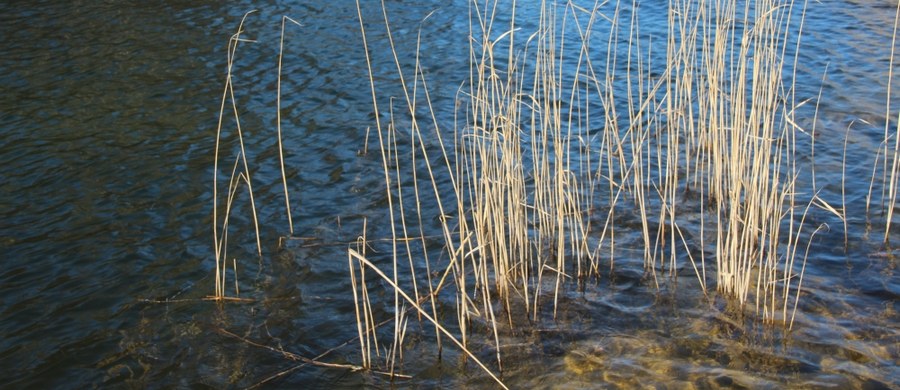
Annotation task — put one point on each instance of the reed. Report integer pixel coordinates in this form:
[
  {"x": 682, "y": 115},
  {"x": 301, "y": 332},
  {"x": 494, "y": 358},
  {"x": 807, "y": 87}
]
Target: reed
[
  {"x": 240, "y": 171},
  {"x": 557, "y": 141},
  {"x": 540, "y": 151},
  {"x": 892, "y": 179},
  {"x": 240, "y": 174},
  {"x": 365, "y": 322},
  {"x": 287, "y": 198}
]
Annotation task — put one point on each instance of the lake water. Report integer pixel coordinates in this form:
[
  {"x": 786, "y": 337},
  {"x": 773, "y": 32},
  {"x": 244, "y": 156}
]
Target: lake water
[{"x": 109, "y": 112}]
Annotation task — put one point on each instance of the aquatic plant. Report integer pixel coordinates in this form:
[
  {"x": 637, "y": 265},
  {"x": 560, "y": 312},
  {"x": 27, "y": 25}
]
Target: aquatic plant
[
  {"x": 240, "y": 174},
  {"x": 287, "y": 197},
  {"x": 553, "y": 146},
  {"x": 891, "y": 156},
  {"x": 556, "y": 141},
  {"x": 543, "y": 161}
]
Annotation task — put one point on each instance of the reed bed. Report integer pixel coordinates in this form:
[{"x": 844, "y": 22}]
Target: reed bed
[
  {"x": 553, "y": 141},
  {"x": 568, "y": 127}
]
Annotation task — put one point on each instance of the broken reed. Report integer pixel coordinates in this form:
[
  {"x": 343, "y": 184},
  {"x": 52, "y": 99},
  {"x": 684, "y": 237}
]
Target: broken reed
[{"x": 552, "y": 134}]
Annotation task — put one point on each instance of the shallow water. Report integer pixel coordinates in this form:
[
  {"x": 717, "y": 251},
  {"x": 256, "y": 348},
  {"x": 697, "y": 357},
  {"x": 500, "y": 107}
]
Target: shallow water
[{"x": 109, "y": 113}]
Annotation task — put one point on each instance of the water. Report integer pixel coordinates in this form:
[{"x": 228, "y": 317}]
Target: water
[{"x": 108, "y": 128}]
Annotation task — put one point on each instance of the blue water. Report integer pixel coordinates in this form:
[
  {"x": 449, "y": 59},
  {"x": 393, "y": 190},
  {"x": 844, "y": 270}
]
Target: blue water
[{"x": 107, "y": 132}]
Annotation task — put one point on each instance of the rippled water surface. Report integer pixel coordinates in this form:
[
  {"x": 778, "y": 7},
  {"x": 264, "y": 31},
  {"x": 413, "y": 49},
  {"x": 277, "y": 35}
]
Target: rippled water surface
[{"x": 107, "y": 131}]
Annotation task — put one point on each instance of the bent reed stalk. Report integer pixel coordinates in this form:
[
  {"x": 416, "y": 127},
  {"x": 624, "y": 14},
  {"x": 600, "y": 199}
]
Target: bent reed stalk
[{"x": 542, "y": 165}]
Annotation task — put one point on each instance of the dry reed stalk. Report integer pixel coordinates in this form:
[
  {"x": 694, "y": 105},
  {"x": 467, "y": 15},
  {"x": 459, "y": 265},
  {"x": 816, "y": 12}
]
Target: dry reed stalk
[
  {"x": 390, "y": 156},
  {"x": 895, "y": 156},
  {"x": 220, "y": 241},
  {"x": 844, "y": 189},
  {"x": 386, "y": 159},
  {"x": 741, "y": 143},
  {"x": 414, "y": 304},
  {"x": 362, "y": 305},
  {"x": 315, "y": 361},
  {"x": 417, "y": 135},
  {"x": 287, "y": 198}
]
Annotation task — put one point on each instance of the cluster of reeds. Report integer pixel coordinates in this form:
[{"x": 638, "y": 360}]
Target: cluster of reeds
[
  {"x": 889, "y": 156},
  {"x": 240, "y": 171},
  {"x": 567, "y": 127},
  {"x": 240, "y": 175},
  {"x": 554, "y": 142}
]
